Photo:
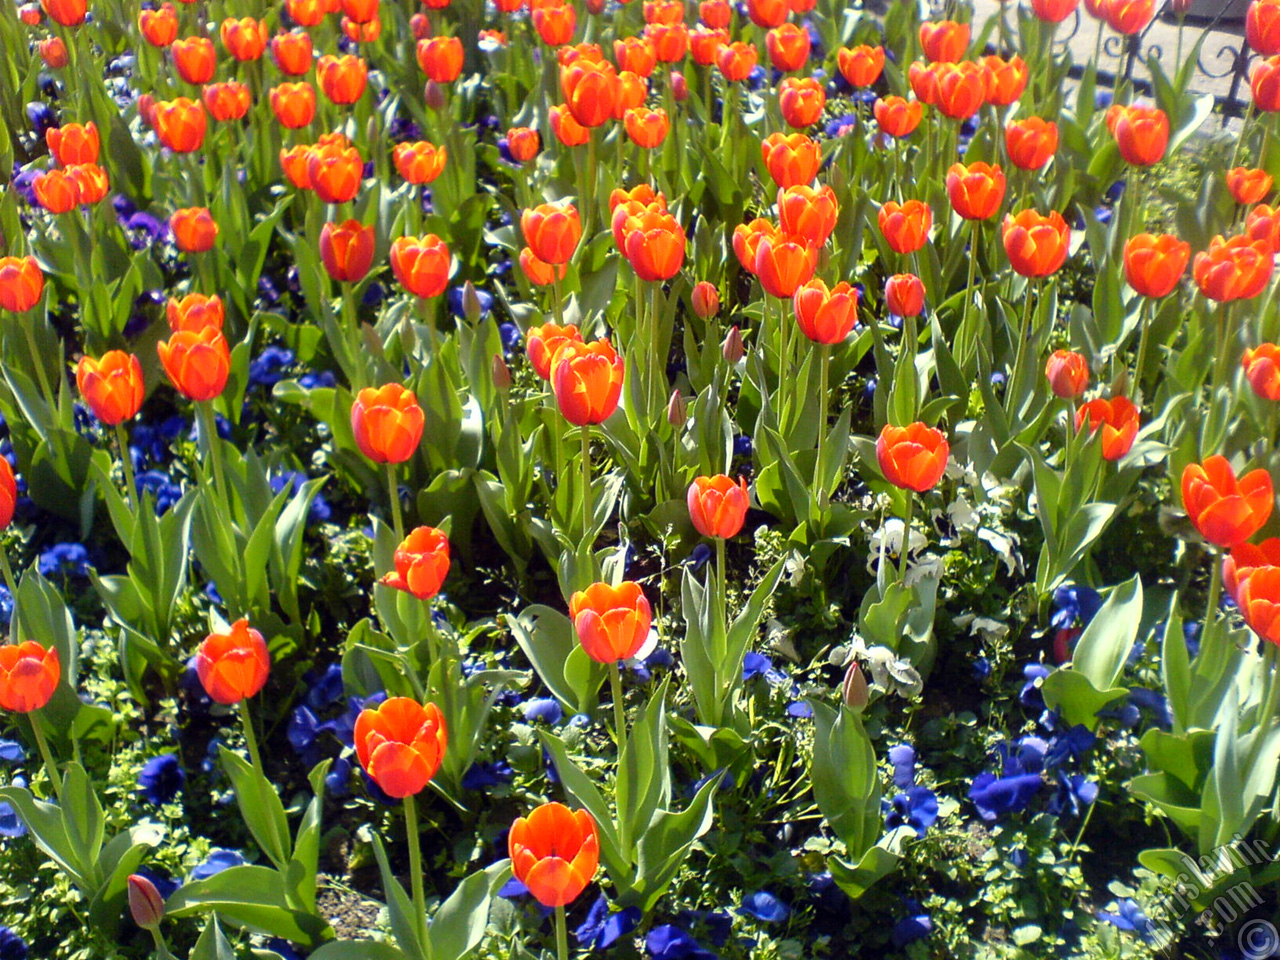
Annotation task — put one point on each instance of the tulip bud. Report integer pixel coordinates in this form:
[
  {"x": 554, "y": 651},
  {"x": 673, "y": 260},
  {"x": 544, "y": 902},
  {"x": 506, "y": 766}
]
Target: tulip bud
[
  {"x": 1180, "y": 8},
  {"x": 677, "y": 410},
  {"x": 501, "y": 373},
  {"x": 433, "y": 93},
  {"x": 595, "y": 6},
  {"x": 371, "y": 128},
  {"x": 679, "y": 86},
  {"x": 705, "y": 300},
  {"x": 30, "y": 14},
  {"x": 420, "y": 26},
  {"x": 854, "y": 689},
  {"x": 732, "y": 348},
  {"x": 470, "y": 302},
  {"x": 145, "y": 902}
]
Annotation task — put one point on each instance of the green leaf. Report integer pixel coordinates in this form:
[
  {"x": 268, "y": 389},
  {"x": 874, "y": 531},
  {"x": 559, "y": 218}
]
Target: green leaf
[
  {"x": 403, "y": 914},
  {"x": 846, "y": 783},
  {"x": 82, "y": 817},
  {"x": 664, "y": 847},
  {"x": 212, "y": 945},
  {"x": 583, "y": 790},
  {"x": 251, "y": 897},
  {"x": 855, "y": 880},
  {"x": 261, "y": 808},
  {"x": 459, "y": 923},
  {"x": 358, "y": 950},
  {"x": 1104, "y": 647}
]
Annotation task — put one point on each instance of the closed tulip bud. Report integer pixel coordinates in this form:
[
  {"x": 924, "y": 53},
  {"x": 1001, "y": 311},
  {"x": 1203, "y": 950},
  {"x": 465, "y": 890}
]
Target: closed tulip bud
[
  {"x": 705, "y": 300},
  {"x": 346, "y": 250},
  {"x": 1248, "y": 186},
  {"x": 801, "y": 100},
  {"x": 1225, "y": 511},
  {"x": 1234, "y": 269},
  {"x": 788, "y": 47},
  {"x": 1262, "y": 370},
  {"x": 227, "y": 101},
  {"x": 1262, "y": 27},
  {"x": 718, "y": 505},
  {"x": 853, "y": 691},
  {"x": 145, "y": 903},
  {"x": 826, "y": 315},
  {"x": 736, "y": 60},
  {"x": 433, "y": 96},
  {"x": 244, "y": 39},
  {"x": 21, "y": 284},
  {"x": 733, "y": 349},
  {"x": 635, "y": 54},
  {"x": 342, "y": 79},
  {"x": 612, "y": 623},
  {"x": 8, "y": 493},
  {"x": 194, "y": 312},
  {"x": 295, "y": 163},
  {"x": 421, "y": 264},
  {"x": 1006, "y": 79},
  {"x": 861, "y": 66},
  {"x": 387, "y": 423},
  {"x": 944, "y": 41},
  {"x": 913, "y": 457},
  {"x": 66, "y": 13},
  {"x": 670, "y": 40},
  {"x": 1067, "y": 373},
  {"x": 1031, "y": 142},
  {"x": 307, "y": 13},
  {"x": 1036, "y": 245},
  {"x": 194, "y": 58},
  {"x": 591, "y": 91},
  {"x": 677, "y": 409},
  {"x": 905, "y": 225},
  {"x": 523, "y": 143},
  {"x": 28, "y": 676},
  {"x": 898, "y": 117},
  {"x": 400, "y": 744},
  {"x": 419, "y": 162},
  {"x": 555, "y": 22},
  {"x": 440, "y": 58},
  {"x": 654, "y": 245},
  {"x": 784, "y": 263},
  {"x": 422, "y": 563},
  {"x": 91, "y": 182},
  {"x": 595, "y": 7},
  {"x": 73, "y": 143},
  {"x": 180, "y": 124},
  {"x": 112, "y": 386},
  {"x": 679, "y": 86},
  {"x": 1265, "y": 85},
  {"x": 194, "y": 229},
  {"x": 904, "y": 295},
  {"x": 975, "y": 191},
  {"x": 294, "y": 104},
  {"x": 586, "y": 379},
  {"x": 292, "y": 52},
  {"x": 554, "y": 852},
  {"x": 233, "y": 666},
  {"x": 55, "y": 191},
  {"x": 542, "y": 343},
  {"x": 53, "y": 51},
  {"x": 196, "y": 362},
  {"x": 500, "y": 372},
  {"x": 791, "y": 159},
  {"x": 1053, "y": 11}
]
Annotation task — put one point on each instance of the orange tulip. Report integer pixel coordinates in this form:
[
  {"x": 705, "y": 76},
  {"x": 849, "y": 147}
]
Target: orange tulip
[
  {"x": 307, "y": 13},
  {"x": 346, "y": 250},
  {"x": 961, "y": 88},
  {"x": 552, "y": 231},
  {"x": 295, "y": 162},
  {"x": 112, "y": 386},
  {"x": 944, "y": 41},
  {"x": 705, "y": 300},
  {"x": 1262, "y": 27},
  {"x": 73, "y": 143},
  {"x": 193, "y": 229},
  {"x": 784, "y": 263},
  {"x": 1067, "y": 373},
  {"x": 1142, "y": 133},
  {"x": 1117, "y": 418},
  {"x": 654, "y": 245},
  {"x": 543, "y": 342},
  {"x": 523, "y": 143},
  {"x": 335, "y": 172},
  {"x": 1244, "y": 559},
  {"x": 160, "y": 26},
  {"x": 1153, "y": 265},
  {"x": 342, "y": 79},
  {"x": 53, "y": 52},
  {"x": 1263, "y": 224},
  {"x": 360, "y": 11},
  {"x": 194, "y": 58},
  {"x": 440, "y": 58},
  {"x": 791, "y": 159},
  {"x": 66, "y": 13},
  {"x": 635, "y": 54},
  {"x": 632, "y": 92},
  {"x": 1128, "y": 17},
  {"x": 21, "y": 284},
  {"x": 924, "y": 82},
  {"x": 555, "y": 23},
  {"x": 670, "y": 40},
  {"x": 180, "y": 124},
  {"x": 294, "y": 104},
  {"x": 227, "y": 101},
  {"x": 197, "y": 362},
  {"x": 587, "y": 381},
  {"x": 292, "y": 52},
  {"x": 1226, "y": 511},
  {"x": 716, "y": 14},
  {"x": 768, "y": 13},
  {"x": 233, "y": 666},
  {"x": 91, "y": 182},
  {"x": 904, "y": 295},
  {"x": 809, "y": 213},
  {"x": 1259, "y": 600},
  {"x": 1265, "y": 84},
  {"x": 612, "y": 623},
  {"x": 905, "y": 225},
  {"x": 28, "y": 676},
  {"x": 421, "y": 264},
  {"x": 422, "y": 563},
  {"x": 912, "y": 457},
  {"x": 56, "y": 191},
  {"x": 735, "y": 61},
  {"x": 647, "y": 128},
  {"x": 590, "y": 91},
  {"x": 975, "y": 191},
  {"x": 8, "y": 493},
  {"x": 826, "y": 315},
  {"x": 419, "y": 162},
  {"x": 861, "y": 66},
  {"x": 898, "y": 117},
  {"x": 400, "y": 743},
  {"x": 718, "y": 506},
  {"x": 746, "y": 241},
  {"x": 705, "y": 44},
  {"x": 244, "y": 39},
  {"x": 1234, "y": 269},
  {"x": 195, "y": 312},
  {"x": 555, "y": 853},
  {"x": 1248, "y": 186},
  {"x": 1031, "y": 142},
  {"x": 1262, "y": 370},
  {"x": 356, "y": 32},
  {"x": 788, "y": 47},
  {"x": 801, "y": 100},
  {"x": 1053, "y": 11},
  {"x": 387, "y": 423},
  {"x": 539, "y": 272},
  {"x": 1037, "y": 245},
  {"x": 1006, "y": 79}
]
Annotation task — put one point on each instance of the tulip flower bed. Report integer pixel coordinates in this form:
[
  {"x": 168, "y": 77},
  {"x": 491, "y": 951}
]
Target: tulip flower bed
[{"x": 667, "y": 480}]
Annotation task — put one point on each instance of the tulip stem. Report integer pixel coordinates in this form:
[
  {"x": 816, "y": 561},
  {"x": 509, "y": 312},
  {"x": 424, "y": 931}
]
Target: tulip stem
[
  {"x": 824, "y": 375},
  {"x": 162, "y": 948},
  {"x": 41, "y": 375},
  {"x": 586, "y": 482},
  {"x": 250, "y": 738},
  {"x": 393, "y": 491},
  {"x": 126, "y": 461},
  {"x": 1144, "y": 336},
  {"x": 209, "y": 428},
  {"x": 1226, "y": 344},
  {"x": 50, "y": 764},
  {"x": 562, "y": 935},
  {"x": 721, "y": 587},
  {"x": 415, "y": 868},
  {"x": 1024, "y": 330},
  {"x": 1215, "y": 591},
  {"x": 556, "y": 302},
  {"x": 904, "y": 549}
]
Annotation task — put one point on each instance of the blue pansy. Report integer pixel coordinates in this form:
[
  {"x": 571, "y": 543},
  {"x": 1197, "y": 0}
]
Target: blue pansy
[
  {"x": 11, "y": 824},
  {"x": 1074, "y": 605},
  {"x": 916, "y": 808},
  {"x": 602, "y": 927},
  {"x": 64, "y": 559},
  {"x": 1128, "y": 916},
  {"x": 994, "y": 795},
  {"x": 161, "y": 778},
  {"x": 742, "y": 446},
  {"x": 799, "y": 709},
  {"x": 482, "y": 776},
  {"x": 715, "y": 924},
  {"x": 1069, "y": 746},
  {"x": 338, "y": 780},
  {"x": 916, "y": 925},
  {"x": 325, "y": 690},
  {"x": 669, "y": 942},
  {"x": 764, "y": 906},
  {"x": 12, "y": 946},
  {"x": 1030, "y": 696},
  {"x": 1073, "y": 794},
  {"x": 903, "y": 758},
  {"x": 314, "y": 379},
  {"x": 699, "y": 556},
  {"x": 303, "y": 729},
  {"x": 980, "y": 668},
  {"x": 1154, "y": 703},
  {"x": 758, "y": 665},
  {"x": 267, "y": 368},
  {"x": 215, "y": 863},
  {"x": 11, "y": 751},
  {"x": 546, "y": 709}
]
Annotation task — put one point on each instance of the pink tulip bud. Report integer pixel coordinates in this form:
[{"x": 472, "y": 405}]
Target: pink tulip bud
[
  {"x": 679, "y": 86},
  {"x": 145, "y": 902},
  {"x": 420, "y": 26},
  {"x": 677, "y": 410},
  {"x": 595, "y": 7},
  {"x": 501, "y": 373},
  {"x": 705, "y": 299},
  {"x": 433, "y": 93},
  {"x": 854, "y": 689},
  {"x": 732, "y": 348},
  {"x": 470, "y": 302}
]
